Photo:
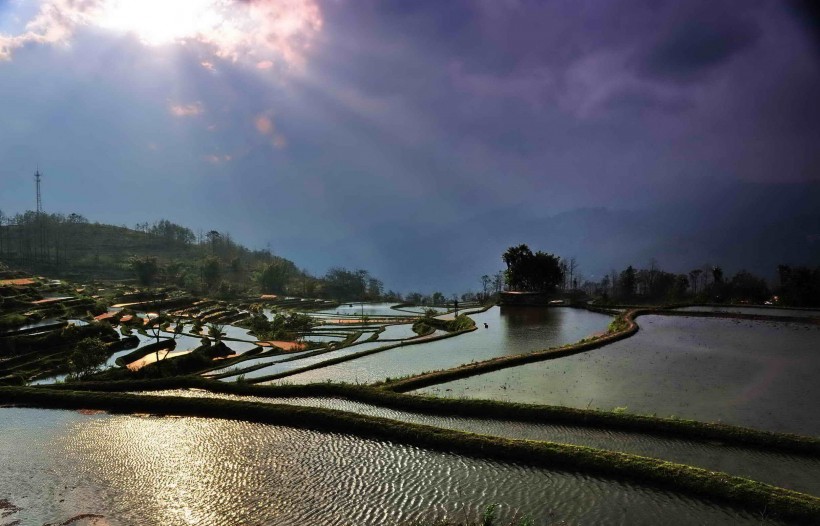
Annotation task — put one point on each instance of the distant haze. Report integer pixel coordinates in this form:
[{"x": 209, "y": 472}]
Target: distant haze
[{"x": 420, "y": 139}]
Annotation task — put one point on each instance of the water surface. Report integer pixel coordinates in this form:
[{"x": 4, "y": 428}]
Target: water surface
[
  {"x": 508, "y": 331},
  {"x": 751, "y": 373},
  {"x": 761, "y": 310},
  {"x": 55, "y": 465},
  {"x": 796, "y": 472}
]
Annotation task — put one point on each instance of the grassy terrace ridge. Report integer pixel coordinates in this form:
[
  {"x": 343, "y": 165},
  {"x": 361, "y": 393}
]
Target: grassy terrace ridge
[
  {"x": 623, "y": 326},
  {"x": 487, "y": 409},
  {"x": 353, "y": 356},
  {"x": 392, "y": 343},
  {"x": 736, "y": 491}
]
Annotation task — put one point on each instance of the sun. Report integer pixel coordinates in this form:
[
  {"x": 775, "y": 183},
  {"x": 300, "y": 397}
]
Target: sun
[
  {"x": 257, "y": 31},
  {"x": 160, "y": 22}
]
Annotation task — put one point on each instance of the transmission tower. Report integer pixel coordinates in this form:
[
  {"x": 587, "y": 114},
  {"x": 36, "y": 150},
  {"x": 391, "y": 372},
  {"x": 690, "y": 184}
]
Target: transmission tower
[{"x": 39, "y": 197}]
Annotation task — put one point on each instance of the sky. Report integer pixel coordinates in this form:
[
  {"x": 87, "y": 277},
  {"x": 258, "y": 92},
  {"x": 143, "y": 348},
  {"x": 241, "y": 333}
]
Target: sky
[{"x": 380, "y": 134}]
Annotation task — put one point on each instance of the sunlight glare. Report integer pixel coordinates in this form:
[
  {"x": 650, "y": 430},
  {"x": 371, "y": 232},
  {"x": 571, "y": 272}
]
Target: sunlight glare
[
  {"x": 159, "y": 22},
  {"x": 258, "y": 29}
]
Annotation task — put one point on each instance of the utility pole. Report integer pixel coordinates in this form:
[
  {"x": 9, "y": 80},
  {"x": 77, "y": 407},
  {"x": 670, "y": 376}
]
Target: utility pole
[
  {"x": 41, "y": 227},
  {"x": 39, "y": 196}
]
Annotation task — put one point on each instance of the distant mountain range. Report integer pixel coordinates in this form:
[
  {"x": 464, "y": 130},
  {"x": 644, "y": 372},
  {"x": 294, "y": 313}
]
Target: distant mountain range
[{"x": 737, "y": 226}]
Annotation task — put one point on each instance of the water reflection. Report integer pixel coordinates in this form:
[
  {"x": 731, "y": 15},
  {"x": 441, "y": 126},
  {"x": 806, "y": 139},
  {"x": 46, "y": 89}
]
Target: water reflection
[
  {"x": 507, "y": 332},
  {"x": 800, "y": 473},
  {"x": 749, "y": 373},
  {"x": 177, "y": 471}
]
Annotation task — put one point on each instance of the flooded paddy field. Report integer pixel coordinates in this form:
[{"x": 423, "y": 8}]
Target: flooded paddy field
[
  {"x": 759, "y": 310},
  {"x": 366, "y": 309},
  {"x": 284, "y": 364},
  {"x": 508, "y": 331},
  {"x": 58, "y": 465},
  {"x": 796, "y": 472},
  {"x": 757, "y": 374}
]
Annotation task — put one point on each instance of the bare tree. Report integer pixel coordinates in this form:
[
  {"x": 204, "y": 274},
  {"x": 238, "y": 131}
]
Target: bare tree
[
  {"x": 572, "y": 266},
  {"x": 694, "y": 276}
]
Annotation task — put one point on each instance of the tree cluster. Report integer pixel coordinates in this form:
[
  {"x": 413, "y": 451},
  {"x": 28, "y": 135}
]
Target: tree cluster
[
  {"x": 534, "y": 272},
  {"x": 799, "y": 286},
  {"x": 343, "y": 284}
]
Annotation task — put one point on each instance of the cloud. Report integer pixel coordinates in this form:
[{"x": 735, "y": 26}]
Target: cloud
[
  {"x": 700, "y": 43},
  {"x": 217, "y": 159},
  {"x": 257, "y": 31},
  {"x": 186, "y": 110},
  {"x": 264, "y": 64},
  {"x": 54, "y": 23},
  {"x": 208, "y": 65},
  {"x": 264, "y": 124}
]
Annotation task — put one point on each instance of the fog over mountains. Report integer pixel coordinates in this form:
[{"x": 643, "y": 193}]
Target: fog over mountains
[{"x": 735, "y": 225}]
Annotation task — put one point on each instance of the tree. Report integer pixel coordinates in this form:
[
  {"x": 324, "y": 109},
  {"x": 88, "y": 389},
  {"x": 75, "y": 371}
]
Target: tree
[
  {"x": 211, "y": 273},
  {"x": 681, "y": 286},
  {"x": 414, "y": 298},
  {"x": 485, "y": 284},
  {"x": 572, "y": 266},
  {"x": 375, "y": 288},
  {"x": 213, "y": 238},
  {"x": 799, "y": 286},
  {"x": 343, "y": 284},
  {"x": 516, "y": 259},
  {"x": 539, "y": 272},
  {"x": 215, "y": 331},
  {"x": 498, "y": 281},
  {"x": 146, "y": 269},
  {"x": 627, "y": 281},
  {"x": 274, "y": 277},
  {"x": 717, "y": 275},
  {"x": 747, "y": 287},
  {"x": 88, "y": 355},
  {"x": 694, "y": 275},
  {"x": 156, "y": 323}
]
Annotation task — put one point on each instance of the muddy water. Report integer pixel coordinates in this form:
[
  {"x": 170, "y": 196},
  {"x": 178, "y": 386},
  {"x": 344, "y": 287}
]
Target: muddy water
[
  {"x": 174, "y": 471},
  {"x": 508, "y": 331},
  {"x": 750, "y": 373}
]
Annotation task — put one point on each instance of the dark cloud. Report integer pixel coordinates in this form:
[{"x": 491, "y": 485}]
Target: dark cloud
[
  {"x": 808, "y": 12},
  {"x": 701, "y": 43}
]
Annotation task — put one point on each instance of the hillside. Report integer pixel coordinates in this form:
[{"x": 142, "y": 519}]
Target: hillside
[
  {"x": 74, "y": 248},
  {"x": 166, "y": 254}
]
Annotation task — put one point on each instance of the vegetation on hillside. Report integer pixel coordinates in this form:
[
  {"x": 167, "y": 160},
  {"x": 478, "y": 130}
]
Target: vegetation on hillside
[{"x": 164, "y": 254}]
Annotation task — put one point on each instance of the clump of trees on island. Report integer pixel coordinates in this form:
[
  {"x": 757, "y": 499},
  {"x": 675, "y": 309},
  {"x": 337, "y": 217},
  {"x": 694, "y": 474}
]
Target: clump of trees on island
[{"x": 532, "y": 272}]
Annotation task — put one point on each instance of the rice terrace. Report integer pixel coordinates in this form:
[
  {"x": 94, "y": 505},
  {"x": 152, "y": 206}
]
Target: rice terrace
[{"x": 385, "y": 263}]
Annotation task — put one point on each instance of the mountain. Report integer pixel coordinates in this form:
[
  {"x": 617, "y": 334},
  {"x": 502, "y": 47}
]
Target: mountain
[{"x": 737, "y": 226}]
